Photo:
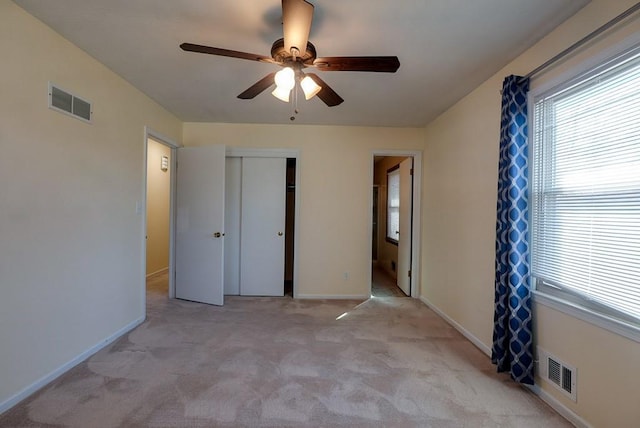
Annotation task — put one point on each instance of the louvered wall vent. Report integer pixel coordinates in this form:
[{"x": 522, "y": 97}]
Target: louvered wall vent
[
  {"x": 558, "y": 373},
  {"x": 65, "y": 102}
]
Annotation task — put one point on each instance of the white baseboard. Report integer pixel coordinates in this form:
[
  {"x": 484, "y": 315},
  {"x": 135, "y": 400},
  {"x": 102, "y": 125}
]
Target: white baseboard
[
  {"x": 556, "y": 405},
  {"x": 544, "y": 396},
  {"x": 333, "y": 296},
  {"x": 158, "y": 272},
  {"x": 12, "y": 401},
  {"x": 466, "y": 333}
]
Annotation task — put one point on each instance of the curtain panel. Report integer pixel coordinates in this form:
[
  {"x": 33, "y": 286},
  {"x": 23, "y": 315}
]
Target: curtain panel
[{"x": 512, "y": 349}]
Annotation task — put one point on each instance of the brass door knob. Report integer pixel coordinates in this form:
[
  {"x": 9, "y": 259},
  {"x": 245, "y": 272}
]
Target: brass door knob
[
  {"x": 218, "y": 235},
  {"x": 279, "y": 233}
]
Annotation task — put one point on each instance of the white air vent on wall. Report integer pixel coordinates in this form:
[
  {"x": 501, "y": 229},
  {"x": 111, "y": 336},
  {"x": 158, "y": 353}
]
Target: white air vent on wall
[
  {"x": 68, "y": 103},
  {"x": 558, "y": 373}
]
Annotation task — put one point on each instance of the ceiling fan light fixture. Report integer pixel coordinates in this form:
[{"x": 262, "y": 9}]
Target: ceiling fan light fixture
[
  {"x": 294, "y": 52},
  {"x": 285, "y": 78},
  {"x": 281, "y": 93},
  {"x": 309, "y": 87}
]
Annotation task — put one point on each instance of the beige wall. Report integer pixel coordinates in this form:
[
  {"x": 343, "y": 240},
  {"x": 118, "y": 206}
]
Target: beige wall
[
  {"x": 387, "y": 252},
  {"x": 461, "y": 162},
  {"x": 158, "y": 209},
  {"x": 71, "y": 248},
  {"x": 71, "y": 241},
  {"x": 335, "y": 183}
]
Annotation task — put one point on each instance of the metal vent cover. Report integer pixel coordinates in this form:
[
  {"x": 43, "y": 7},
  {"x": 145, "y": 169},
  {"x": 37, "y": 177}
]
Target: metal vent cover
[
  {"x": 553, "y": 371},
  {"x": 65, "y": 102},
  {"x": 567, "y": 379},
  {"x": 558, "y": 373}
]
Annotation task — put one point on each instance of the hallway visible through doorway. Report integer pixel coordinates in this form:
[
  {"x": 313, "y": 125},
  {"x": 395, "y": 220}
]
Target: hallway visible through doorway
[
  {"x": 382, "y": 284},
  {"x": 159, "y": 170},
  {"x": 158, "y": 283},
  {"x": 392, "y": 234}
]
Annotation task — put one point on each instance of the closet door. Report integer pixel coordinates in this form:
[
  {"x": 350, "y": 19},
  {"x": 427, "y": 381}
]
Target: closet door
[
  {"x": 232, "y": 210},
  {"x": 263, "y": 226}
]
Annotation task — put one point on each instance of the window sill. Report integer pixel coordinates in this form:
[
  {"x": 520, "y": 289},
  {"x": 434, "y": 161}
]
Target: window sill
[{"x": 613, "y": 325}]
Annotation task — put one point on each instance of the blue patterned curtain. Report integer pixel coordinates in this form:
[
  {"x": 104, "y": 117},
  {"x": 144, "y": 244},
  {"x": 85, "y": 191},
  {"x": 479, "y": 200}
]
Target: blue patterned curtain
[{"x": 512, "y": 335}]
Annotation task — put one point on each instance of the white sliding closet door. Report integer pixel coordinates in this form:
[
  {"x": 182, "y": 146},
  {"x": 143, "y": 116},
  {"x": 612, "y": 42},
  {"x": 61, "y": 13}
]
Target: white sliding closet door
[
  {"x": 232, "y": 210},
  {"x": 262, "y": 226}
]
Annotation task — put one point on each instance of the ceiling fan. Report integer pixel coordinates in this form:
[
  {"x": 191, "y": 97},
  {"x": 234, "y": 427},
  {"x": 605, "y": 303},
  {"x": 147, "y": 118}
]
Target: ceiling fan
[{"x": 294, "y": 53}]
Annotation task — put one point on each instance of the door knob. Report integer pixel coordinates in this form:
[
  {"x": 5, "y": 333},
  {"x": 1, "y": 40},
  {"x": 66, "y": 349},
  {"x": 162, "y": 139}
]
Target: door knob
[
  {"x": 279, "y": 233},
  {"x": 218, "y": 234}
]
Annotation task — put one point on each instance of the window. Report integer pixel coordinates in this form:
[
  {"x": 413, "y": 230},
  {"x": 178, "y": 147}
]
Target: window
[
  {"x": 585, "y": 214},
  {"x": 393, "y": 204}
]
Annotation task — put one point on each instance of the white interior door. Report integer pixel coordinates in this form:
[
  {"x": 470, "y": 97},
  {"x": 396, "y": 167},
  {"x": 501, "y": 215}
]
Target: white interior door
[
  {"x": 200, "y": 224},
  {"x": 404, "y": 238},
  {"x": 263, "y": 226}
]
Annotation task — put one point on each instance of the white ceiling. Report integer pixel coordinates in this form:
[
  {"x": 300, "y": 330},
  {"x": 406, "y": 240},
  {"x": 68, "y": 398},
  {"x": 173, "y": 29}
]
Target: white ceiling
[{"x": 446, "y": 49}]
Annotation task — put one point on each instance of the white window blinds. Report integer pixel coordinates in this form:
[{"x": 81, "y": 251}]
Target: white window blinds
[{"x": 585, "y": 214}]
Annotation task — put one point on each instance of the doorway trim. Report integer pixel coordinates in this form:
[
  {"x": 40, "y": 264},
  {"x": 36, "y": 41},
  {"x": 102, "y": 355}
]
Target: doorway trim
[
  {"x": 150, "y": 133},
  {"x": 416, "y": 211}
]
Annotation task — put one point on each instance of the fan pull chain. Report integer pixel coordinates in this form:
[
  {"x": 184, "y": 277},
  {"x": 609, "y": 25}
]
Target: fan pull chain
[{"x": 295, "y": 101}]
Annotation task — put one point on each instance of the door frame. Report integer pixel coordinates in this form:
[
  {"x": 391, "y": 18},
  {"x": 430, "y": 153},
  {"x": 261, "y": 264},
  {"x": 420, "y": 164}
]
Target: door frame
[
  {"x": 162, "y": 139},
  {"x": 415, "y": 214},
  {"x": 280, "y": 153}
]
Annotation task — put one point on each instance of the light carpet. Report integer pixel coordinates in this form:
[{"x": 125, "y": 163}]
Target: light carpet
[{"x": 279, "y": 362}]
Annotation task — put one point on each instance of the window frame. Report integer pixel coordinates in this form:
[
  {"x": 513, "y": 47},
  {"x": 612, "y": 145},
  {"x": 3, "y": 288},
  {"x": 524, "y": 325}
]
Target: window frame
[
  {"x": 396, "y": 171},
  {"x": 545, "y": 292}
]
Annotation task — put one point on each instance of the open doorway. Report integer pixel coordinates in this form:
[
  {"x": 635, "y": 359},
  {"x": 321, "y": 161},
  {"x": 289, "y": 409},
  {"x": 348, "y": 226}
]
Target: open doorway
[
  {"x": 290, "y": 219},
  {"x": 159, "y": 215},
  {"x": 158, "y": 212},
  {"x": 393, "y": 226}
]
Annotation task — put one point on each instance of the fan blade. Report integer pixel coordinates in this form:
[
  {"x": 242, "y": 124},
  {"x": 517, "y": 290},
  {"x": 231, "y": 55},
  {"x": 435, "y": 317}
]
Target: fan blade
[
  {"x": 326, "y": 94},
  {"x": 258, "y": 87},
  {"x": 380, "y": 64},
  {"x": 190, "y": 47},
  {"x": 296, "y": 24}
]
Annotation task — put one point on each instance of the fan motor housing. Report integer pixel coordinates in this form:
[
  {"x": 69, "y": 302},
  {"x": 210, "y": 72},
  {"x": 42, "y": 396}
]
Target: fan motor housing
[{"x": 280, "y": 54}]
